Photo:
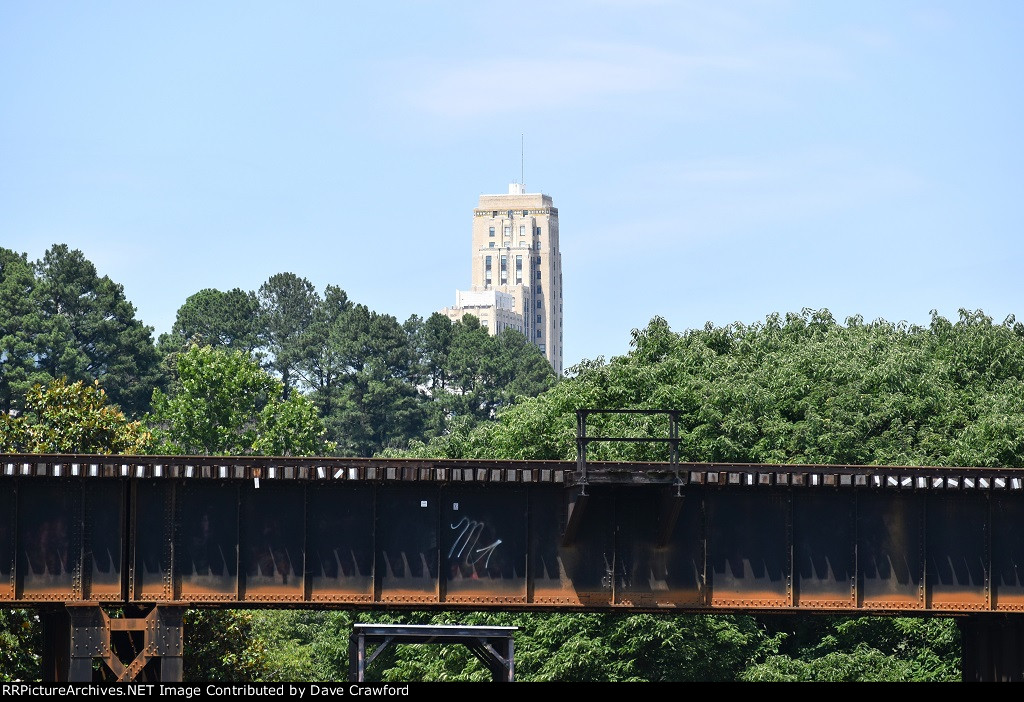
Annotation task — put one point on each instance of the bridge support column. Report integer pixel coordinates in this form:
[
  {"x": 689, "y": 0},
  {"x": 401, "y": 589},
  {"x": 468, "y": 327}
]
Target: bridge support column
[
  {"x": 141, "y": 647},
  {"x": 56, "y": 627},
  {"x": 993, "y": 647}
]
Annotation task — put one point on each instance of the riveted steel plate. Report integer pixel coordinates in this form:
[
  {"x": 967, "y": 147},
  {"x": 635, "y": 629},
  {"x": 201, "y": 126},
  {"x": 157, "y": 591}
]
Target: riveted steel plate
[
  {"x": 272, "y": 534},
  {"x": 1007, "y": 552},
  {"x": 49, "y": 540},
  {"x": 206, "y": 541},
  {"x": 483, "y": 540},
  {"x": 407, "y": 546},
  {"x": 660, "y": 548},
  {"x": 341, "y": 542},
  {"x": 825, "y": 561},
  {"x": 153, "y": 536},
  {"x": 8, "y": 500},
  {"x": 580, "y": 568},
  {"x": 749, "y": 560},
  {"x": 890, "y": 551},
  {"x": 550, "y": 577},
  {"x": 957, "y": 552},
  {"x": 103, "y": 554}
]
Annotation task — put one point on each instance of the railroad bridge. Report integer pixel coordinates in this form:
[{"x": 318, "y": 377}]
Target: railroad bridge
[{"x": 150, "y": 536}]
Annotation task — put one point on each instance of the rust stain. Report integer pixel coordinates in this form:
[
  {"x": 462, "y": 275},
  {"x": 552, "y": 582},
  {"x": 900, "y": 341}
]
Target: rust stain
[
  {"x": 272, "y": 589},
  {"x": 1008, "y": 602},
  {"x": 958, "y": 598},
  {"x": 893, "y": 602}
]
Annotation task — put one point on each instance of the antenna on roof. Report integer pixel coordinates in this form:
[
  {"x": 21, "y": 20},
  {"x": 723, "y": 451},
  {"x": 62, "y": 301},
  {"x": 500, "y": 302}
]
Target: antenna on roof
[{"x": 522, "y": 161}]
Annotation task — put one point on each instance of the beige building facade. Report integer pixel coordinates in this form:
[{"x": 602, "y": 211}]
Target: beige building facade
[
  {"x": 495, "y": 310},
  {"x": 515, "y": 255}
]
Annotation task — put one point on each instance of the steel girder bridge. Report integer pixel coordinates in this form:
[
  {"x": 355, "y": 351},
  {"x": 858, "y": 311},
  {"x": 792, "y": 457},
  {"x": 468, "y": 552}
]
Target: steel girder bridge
[{"x": 111, "y": 550}]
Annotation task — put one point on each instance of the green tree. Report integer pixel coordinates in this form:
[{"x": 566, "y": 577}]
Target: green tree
[
  {"x": 220, "y": 319},
  {"x": 90, "y": 332},
  {"x": 309, "y": 645},
  {"x": 64, "y": 417},
  {"x": 862, "y": 649},
  {"x": 21, "y": 323},
  {"x": 432, "y": 339},
  {"x": 221, "y": 645},
  {"x": 21, "y": 640},
  {"x": 375, "y": 403},
  {"x": 287, "y": 306},
  {"x": 485, "y": 373},
  {"x": 223, "y": 403},
  {"x": 330, "y": 349}
]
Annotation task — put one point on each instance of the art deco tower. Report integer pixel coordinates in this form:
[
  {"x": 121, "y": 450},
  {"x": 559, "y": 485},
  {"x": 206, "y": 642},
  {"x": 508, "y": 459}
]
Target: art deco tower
[{"x": 517, "y": 269}]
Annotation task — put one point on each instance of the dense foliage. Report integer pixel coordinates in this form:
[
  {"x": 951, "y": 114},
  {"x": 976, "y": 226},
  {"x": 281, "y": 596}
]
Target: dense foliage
[
  {"x": 221, "y": 403},
  {"x": 799, "y": 389},
  {"x": 59, "y": 318},
  {"x": 64, "y": 417},
  {"x": 377, "y": 384}
]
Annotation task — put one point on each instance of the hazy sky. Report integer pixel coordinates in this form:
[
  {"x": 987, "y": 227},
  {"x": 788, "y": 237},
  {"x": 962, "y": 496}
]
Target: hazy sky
[{"x": 710, "y": 161}]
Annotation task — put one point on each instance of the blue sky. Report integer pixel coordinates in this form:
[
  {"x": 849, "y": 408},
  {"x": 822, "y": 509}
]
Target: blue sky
[{"x": 711, "y": 161}]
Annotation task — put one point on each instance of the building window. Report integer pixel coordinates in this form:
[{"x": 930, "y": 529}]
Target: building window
[
  {"x": 522, "y": 230},
  {"x": 538, "y": 231},
  {"x": 508, "y": 230},
  {"x": 491, "y": 232},
  {"x": 490, "y": 244},
  {"x": 522, "y": 244},
  {"x": 542, "y": 348},
  {"x": 494, "y": 213},
  {"x": 519, "y": 269},
  {"x": 504, "y": 269},
  {"x": 538, "y": 246},
  {"x": 538, "y": 275},
  {"x": 540, "y": 333},
  {"x": 538, "y": 304},
  {"x": 538, "y": 319},
  {"x": 526, "y": 212}
]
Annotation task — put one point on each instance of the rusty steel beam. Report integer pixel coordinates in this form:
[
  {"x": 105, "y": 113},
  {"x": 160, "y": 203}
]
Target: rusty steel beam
[{"x": 230, "y": 531}]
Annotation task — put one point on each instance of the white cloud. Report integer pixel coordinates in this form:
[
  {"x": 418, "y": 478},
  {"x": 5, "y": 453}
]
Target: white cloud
[
  {"x": 584, "y": 74},
  {"x": 499, "y": 85}
]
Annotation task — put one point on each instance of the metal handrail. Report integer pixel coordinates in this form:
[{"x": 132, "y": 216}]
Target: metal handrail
[{"x": 582, "y": 439}]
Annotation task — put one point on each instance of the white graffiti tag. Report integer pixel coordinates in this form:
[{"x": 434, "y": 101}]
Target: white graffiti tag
[{"x": 467, "y": 540}]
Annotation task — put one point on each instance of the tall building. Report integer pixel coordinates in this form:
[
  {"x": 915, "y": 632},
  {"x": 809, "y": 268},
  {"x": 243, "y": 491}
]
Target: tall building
[{"x": 517, "y": 270}]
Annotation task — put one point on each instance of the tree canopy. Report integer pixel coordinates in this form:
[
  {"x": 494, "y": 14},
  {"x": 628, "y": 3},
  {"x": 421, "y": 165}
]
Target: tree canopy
[
  {"x": 223, "y": 403},
  {"x": 377, "y": 384},
  {"x": 60, "y": 318},
  {"x": 798, "y": 389},
  {"x": 63, "y": 417}
]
